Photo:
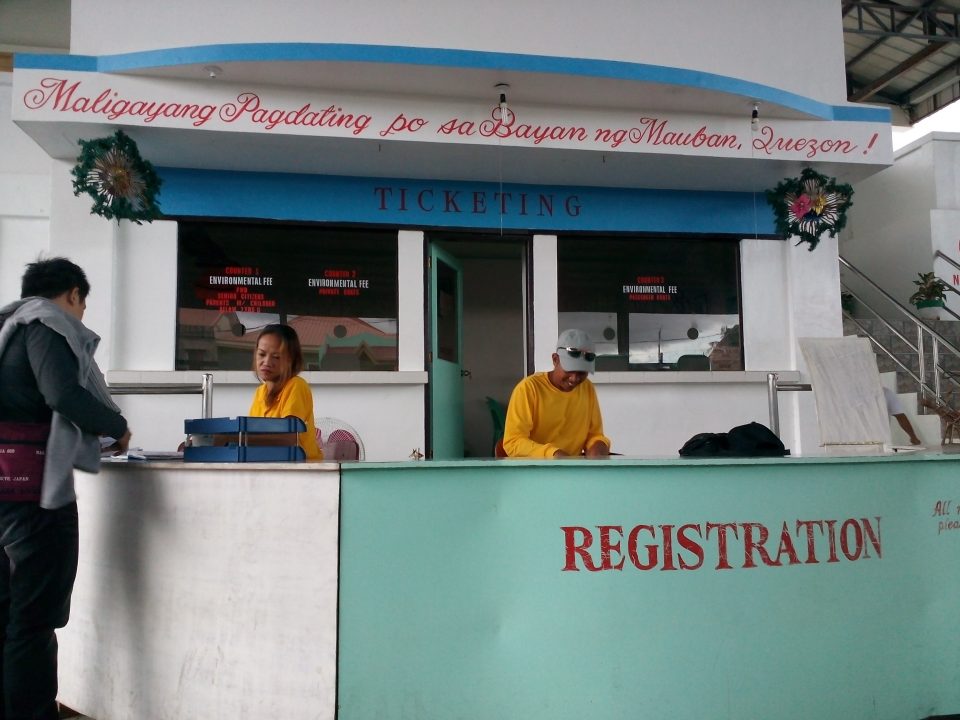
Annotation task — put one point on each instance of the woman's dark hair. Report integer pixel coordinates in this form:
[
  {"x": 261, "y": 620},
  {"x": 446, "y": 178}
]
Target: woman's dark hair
[
  {"x": 53, "y": 277},
  {"x": 289, "y": 340}
]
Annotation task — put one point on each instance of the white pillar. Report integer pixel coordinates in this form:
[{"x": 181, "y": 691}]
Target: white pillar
[
  {"x": 91, "y": 242},
  {"x": 545, "y": 301},
  {"x": 410, "y": 300}
]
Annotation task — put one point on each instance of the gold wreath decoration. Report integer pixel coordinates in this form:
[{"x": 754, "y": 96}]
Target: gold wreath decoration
[{"x": 122, "y": 184}]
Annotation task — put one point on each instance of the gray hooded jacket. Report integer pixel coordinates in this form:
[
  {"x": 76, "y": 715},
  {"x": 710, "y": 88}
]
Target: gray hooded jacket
[{"x": 68, "y": 446}]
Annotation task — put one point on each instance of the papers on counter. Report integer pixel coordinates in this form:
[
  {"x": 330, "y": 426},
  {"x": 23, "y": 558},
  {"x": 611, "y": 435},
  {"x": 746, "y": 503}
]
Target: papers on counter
[{"x": 139, "y": 454}]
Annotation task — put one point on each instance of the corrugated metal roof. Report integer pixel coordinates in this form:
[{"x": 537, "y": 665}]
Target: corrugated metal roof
[{"x": 903, "y": 54}]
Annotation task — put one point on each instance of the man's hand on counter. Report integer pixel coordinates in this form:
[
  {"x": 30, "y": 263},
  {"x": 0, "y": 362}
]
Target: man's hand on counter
[
  {"x": 118, "y": 446},
  {"x": 598, "y": 450}
]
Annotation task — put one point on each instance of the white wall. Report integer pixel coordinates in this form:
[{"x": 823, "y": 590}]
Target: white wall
[
  {"x": 888, "y": 233},
  {"x": 904, "y": 214},
  {"x": 546, "y": 319},
  {"x": 655, "y": 419},
  {"x": 945, "y": 215},
  {"x": 145, "y": 320},
  {"x": 24, "y": 199},
  {"x": 797, "y": 46},
  {"x": 766, "y": 316}
]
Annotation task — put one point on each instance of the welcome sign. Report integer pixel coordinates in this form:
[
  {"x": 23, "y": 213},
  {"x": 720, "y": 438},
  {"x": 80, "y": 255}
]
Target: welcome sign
[{"x": 86, "y": 97}]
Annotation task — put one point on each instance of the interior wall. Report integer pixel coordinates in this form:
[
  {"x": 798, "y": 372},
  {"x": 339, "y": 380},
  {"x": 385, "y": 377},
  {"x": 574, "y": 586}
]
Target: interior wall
[
  {"x": 757, "y": 41},
  {"x": 493, "y": 349},
  {"x": 22, "y": 240},
  {"x": 24, "y": 199},
  {"x": 888, "y": 232},
  {"x": 147, "y": 286}
]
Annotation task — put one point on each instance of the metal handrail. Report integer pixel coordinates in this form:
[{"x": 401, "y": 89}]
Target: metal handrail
[
  {"x": 943, "y": 256},
  {"x": 883, "y": 320},
  {"x": 909, "y": 315},
  {"x": 890, "y": 355},
  {"x": 773, "y": 403},
  {"x": 204, "y": 389},
  {"x": 937, "y": 339}
]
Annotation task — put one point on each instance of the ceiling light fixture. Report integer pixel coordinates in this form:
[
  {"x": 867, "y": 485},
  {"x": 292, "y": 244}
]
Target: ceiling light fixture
[
  {"x": 755, "y": 117},
  {"x": 502, "y": 88},
  {"x": 213, "y": 71}
]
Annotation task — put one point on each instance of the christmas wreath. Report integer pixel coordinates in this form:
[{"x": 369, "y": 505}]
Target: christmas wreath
[
  {"x": 809, "y": 206},
  {"x": 122, "y": 184}
]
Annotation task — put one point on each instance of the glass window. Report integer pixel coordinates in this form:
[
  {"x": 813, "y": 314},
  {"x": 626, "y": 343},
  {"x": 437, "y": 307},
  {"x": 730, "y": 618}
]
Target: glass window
[
  {"x": 653, "y": 303},
  {"x": 337, "y": 288}
]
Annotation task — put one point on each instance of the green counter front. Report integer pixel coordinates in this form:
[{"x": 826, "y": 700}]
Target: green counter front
[{"x": 788, "y": 588}]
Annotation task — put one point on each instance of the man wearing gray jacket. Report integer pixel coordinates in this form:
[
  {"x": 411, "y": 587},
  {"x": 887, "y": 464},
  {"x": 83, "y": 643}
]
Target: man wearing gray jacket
[{"x": 47, "y": 375}]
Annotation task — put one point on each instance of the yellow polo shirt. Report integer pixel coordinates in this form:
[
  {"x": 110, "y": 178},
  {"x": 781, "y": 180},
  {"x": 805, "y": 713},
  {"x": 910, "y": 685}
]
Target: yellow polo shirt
[
  {"x": 542, "y": 419},
  {"x": 297, "y": 400}
]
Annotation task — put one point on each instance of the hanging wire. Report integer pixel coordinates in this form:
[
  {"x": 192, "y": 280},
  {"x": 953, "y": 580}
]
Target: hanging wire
[
  {"x": 501, "y": 111},
  {"x": 500, "y": 176}
]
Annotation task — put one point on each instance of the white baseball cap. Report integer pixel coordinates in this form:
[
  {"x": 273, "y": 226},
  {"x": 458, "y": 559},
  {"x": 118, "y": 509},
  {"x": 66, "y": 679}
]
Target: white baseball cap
[{"x": 576, "y": 351}]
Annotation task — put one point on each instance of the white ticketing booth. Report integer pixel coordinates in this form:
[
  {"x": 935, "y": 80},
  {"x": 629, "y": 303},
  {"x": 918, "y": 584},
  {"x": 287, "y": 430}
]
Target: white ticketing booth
[{"x": 429, "y": 215}]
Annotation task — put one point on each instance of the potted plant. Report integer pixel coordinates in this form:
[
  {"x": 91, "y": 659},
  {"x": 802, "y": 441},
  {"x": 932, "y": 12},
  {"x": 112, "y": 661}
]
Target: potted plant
[
  {"x": 847, "y": 302},
  {"x": 930, "y": 296}
]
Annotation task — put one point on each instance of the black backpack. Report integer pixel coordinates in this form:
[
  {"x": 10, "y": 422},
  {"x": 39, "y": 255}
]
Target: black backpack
[{"x": 750, "y": 440}]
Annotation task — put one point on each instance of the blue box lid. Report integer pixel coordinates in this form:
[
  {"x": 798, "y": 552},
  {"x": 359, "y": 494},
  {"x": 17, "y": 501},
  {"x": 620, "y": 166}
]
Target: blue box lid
[{"x": 243, "y": 424}]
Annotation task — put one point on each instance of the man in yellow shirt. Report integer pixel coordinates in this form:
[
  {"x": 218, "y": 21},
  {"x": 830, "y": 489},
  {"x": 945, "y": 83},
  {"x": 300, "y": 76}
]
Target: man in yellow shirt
[{"x": 556, "y": 413}]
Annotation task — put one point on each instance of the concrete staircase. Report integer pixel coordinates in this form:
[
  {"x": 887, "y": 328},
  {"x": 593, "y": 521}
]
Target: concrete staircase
[{"x": 927, "y": 426}]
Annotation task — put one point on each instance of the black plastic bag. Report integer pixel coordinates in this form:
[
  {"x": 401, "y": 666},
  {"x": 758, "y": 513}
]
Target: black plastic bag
[
  {"x": 750, "y": 440},
  {"x": 705, "y": 445}
]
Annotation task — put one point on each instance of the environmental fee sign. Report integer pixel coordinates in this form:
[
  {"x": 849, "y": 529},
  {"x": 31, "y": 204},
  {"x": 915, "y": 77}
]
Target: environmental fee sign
[
  {"x": 649, "y": 288},
  {"x": 236, "y": 288},
  {"x": 293, "y": 270}
]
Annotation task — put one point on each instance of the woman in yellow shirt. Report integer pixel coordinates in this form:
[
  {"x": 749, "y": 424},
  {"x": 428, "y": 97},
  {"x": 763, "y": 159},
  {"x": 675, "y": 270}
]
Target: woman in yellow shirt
[{"x": 277, "y": 362}]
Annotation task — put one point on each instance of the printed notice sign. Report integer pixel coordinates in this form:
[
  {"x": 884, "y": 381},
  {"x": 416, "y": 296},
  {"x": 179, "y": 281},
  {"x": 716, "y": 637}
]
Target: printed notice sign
[
  {"x": 238, "y": 289},
  {"x": 339, "y": 282},
  {"x": 650, "y": 288}
]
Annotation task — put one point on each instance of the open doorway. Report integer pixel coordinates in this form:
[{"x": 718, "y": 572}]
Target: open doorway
[{"x": 492, "y": 330}]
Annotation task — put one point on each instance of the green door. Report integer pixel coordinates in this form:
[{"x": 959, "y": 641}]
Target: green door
[{"x": 446, "y": 355}]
